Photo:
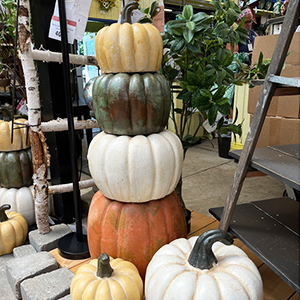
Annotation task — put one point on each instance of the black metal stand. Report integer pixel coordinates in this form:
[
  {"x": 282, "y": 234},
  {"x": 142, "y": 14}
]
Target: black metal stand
[{"x": 73, "y": 245}]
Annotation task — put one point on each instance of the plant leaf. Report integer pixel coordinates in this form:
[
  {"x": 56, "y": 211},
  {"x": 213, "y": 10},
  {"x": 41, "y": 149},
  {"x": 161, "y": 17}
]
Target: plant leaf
[
  {"x": 187, "y": 12},
  {"x": 177, "y": 45},
  {"x": 191, "y": 25},
  {"x": 188, "y": 34}
]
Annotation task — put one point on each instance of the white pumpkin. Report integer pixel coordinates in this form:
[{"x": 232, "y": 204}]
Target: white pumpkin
[
  {"x": 21, "y": 201},
  {"x": 210, "y": 271},
  {"x": 136, "y": 169}
]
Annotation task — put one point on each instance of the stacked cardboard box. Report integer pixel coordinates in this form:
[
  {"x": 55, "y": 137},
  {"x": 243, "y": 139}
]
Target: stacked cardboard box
[{"x": 282, "y": 124}]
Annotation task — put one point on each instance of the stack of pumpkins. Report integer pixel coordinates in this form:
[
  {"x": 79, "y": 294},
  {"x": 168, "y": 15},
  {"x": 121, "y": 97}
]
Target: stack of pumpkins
[
  {"x": 134, "y": 161},
  {"x": 16, "y": 169},
  {"x": 15, "y": 190}
]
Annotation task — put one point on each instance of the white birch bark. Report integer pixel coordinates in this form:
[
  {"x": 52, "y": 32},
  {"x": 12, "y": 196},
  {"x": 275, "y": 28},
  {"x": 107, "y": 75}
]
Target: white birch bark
[
  {"x": 68, "y": 187},
  {"x": 62, "y": 125},
  {"x": 34, "y": 117},
  {"x": 49, "y": 56}
]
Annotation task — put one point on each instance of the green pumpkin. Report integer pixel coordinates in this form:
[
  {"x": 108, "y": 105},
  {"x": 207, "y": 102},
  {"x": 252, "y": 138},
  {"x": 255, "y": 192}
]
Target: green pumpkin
[
  {"x": 16, "y": 168},
  {"x": 131, "y": 104}
]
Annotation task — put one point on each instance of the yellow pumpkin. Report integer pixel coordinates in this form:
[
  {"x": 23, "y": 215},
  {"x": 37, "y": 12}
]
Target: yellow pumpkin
[
  {"x": 19, "y": 136},
  {"x": 13, "y": 230},
  {"x": 126, "y": 48},
  {"x": 106, "y": 278}
]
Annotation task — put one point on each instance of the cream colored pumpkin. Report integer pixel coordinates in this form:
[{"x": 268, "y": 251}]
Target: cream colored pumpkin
[
  {"x": 129, "y": 48},
  {"x": 19, "y": 139},
  {"x": 170, "y": 275},
  {"x": 118, "y": 280},
  {"x": 13, "y": 230},
  {"x": 21, "y": 201},
  {"x": 136, "y": 169}
]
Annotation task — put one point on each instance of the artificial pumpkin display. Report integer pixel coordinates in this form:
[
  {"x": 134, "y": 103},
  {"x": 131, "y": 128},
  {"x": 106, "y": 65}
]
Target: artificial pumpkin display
[
  {"x": 87, "y": 93},
  {"x": 203, "y": 268},
  {"x": 21, "y": 201},
  {"x": 136, "y": 169},
  {"x": 133, "y": 231},
  {"x": 19, "y": 135},
  {"x": 106, "y": 278},
  {"x": 16, "y": 168},
  {"x": 13, "y": 230},
  {"x": 132, "y": 104},
  {"x": 129, "y": 48}
]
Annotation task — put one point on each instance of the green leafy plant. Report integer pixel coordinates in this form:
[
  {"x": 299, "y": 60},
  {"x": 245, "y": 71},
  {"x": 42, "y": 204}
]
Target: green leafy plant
[
  {"x": 196, "y": 58},
  {"x": 8, "y": 16}
]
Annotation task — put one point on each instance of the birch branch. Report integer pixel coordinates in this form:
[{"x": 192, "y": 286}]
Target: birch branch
[
  {"x": 41, "y": 200},
  {"x": 40, "y": 157},
  {"x": 49, "y": 56},
  {"x": 62, "y": 125},
  {"x": 68, "y": 187}
]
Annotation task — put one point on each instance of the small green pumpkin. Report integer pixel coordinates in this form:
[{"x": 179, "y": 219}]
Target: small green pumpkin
[
  {"x": 16, "y": 168},
  {"x": 134, "y": 104}
]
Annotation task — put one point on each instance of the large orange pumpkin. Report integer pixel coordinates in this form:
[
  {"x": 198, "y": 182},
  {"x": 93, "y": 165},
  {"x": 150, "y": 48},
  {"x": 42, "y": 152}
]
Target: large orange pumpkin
[{"x": 133, "y": 231}]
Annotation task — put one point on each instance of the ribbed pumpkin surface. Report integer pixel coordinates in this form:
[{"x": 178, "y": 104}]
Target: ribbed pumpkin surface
[
  {"x": 132, "y": 231},
  {"x": 13, "y": 232},
  {"x": 21, "y": 201},
  {"x": 19, "y": 140},
  {"x": 129, "y": 48},
  {"x": 132, "y": 104},
  {"x": 16, "y": 168},
  {"x": 136, "y": 169}
]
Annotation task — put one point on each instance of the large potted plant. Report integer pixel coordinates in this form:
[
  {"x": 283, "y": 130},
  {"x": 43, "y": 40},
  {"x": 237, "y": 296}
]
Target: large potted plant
[{"x": 199, "y": 66}]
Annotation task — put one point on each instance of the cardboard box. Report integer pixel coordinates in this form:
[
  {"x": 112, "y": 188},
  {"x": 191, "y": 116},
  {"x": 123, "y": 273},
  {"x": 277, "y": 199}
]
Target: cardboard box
[
  {"x": 279, "y": 131},
  {"x": 286, "y": 101},
  {"x": 281, "y": 106},
  {"x": 266, "y": 44}
]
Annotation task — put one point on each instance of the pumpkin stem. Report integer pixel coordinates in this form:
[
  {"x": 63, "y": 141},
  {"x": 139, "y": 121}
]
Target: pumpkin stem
[
  {"x": 104, "y": 269},
  {"x": 126, "y": 12},
  {"x": 3, "y": 216},
  {"x": 202, "y": 256}
]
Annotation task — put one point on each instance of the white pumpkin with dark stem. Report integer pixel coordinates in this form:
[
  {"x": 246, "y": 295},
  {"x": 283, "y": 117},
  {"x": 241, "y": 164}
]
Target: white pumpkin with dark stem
[
  {"x": 136, "y": 169},
  {"x": 202, "y": 268}
]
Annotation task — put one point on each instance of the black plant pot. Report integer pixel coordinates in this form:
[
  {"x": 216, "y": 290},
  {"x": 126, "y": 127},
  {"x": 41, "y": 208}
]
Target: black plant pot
[{"x": 224, "y": 147}]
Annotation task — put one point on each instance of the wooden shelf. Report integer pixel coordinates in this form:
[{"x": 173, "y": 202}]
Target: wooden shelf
[
  {"x": 279, "y": 162},
  {"x": 270, "y": 229}
]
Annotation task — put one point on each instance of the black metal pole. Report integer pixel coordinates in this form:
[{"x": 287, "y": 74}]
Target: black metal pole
[{"x": 68, "y": 244}]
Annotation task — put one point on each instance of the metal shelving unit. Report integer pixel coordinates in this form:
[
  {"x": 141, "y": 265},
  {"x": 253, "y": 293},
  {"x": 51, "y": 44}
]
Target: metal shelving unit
[{"x": 270, "y": 228}]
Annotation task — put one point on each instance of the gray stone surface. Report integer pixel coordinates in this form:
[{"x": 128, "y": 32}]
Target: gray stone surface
[
  {"x": 48, "y": 242},
  {"x": 50, "y": 286},
  {"x": 6, "y": 292},
  {"x": 21, "y": 268},
  {"x": 23, "y": 250}
]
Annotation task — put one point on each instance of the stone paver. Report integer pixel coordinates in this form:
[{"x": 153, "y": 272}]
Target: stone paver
[
  {"x": 21, "y": 268},
  {"x": 49, "y": 241},
  {"x": 6, "y": 293},
  {"x": 23, "y": 250},
  {"x": 50, "y": 286}
]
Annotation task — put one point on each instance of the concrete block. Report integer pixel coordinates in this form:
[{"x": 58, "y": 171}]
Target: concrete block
[
  {"x": 48, "y": 286},
  {"x": 6, "y": 293},
  {"x": 29, "y": 266},
  {"x": 49, "y": 241},
  {"x": 23, "y": 250}
]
